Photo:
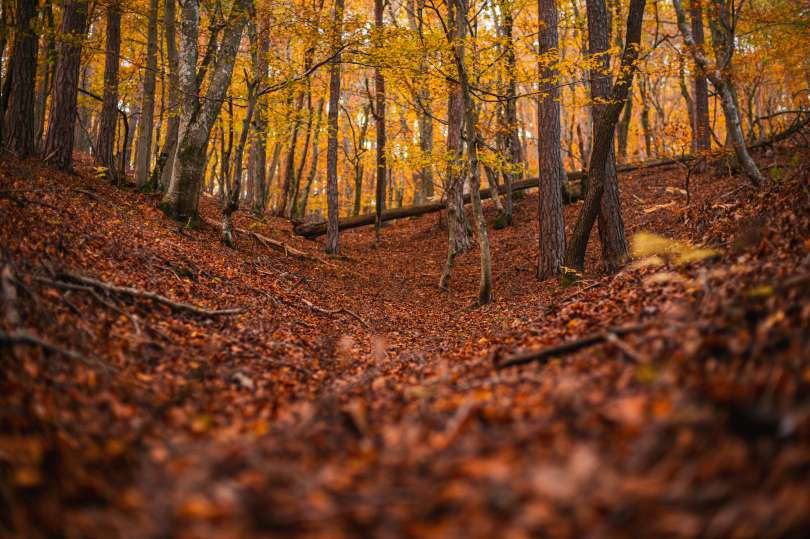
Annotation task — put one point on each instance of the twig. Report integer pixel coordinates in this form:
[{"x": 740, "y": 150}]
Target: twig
[
  {"x": 334, "y": 311},
  {"x": 179, "y": 306},
  {"x": 27, "y": 339},
  {"x": 567, "y": 347}
]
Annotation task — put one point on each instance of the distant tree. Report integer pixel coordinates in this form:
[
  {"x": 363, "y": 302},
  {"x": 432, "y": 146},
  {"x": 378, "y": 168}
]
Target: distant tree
[
  {"x": 333, "y": 207},
  {"x": 143, "y": 149},
  {"x": 165, "y": 161},
  {"x": 59, "y": 140},
  {"x": 722, "y": 21},
  {"x": 702, "y": 140},
  {"x": 19, "y": 132},
  {"x": 379, "y": 117},
  {"x": 105, "y": 142}
]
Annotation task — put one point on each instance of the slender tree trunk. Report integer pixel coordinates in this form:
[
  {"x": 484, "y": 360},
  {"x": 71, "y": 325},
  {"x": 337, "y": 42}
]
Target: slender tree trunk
[
  {"x": 603, "y": 139},
  {"x": 552, "y": 227},
  {"x": 105, "y": 143},
  {"x": 611, "y": 224},
  {"x": 379, "y": 117},
  {"x": 313, "y": 167},
  {"x": 19, "y": 132},
  {"x": 458, "y": 238},
  {"x": 424, "y": 102},
  {"x": 62, "y": 116},
  {"x": 46, "y": 78},
  {"x": 232, "y": 203},
  {"x": 260, "y": 48},
  {"x": 623, "y": 129},
  {"x": 511, "y": 136},
  {"x": 143, "y": 151},
  {"x": 5, "y": 7},
  {"x": 289, "y": 167},
  {"x": 296, "y": 189},
  {"x": 702, "y": 142},
  {"x": 161, "y": 175},
  {"x": 332, "y": 235},
  {"x": 726, "y": 90}
]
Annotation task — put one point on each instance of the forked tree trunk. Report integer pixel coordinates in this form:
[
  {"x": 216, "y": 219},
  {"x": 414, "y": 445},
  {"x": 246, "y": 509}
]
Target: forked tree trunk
[
  {"x": 725, "y": 88},
  {"x": 58, "y": 149},
  {"x": 181, "y": 199},
  {"x": 332, "y": 235},
  {"x": 105, "y": 142},
  {"x": 551, "y": 224},
  {"x": 611, "y": 224},
  {"x": 143, "y": 150},
  {"x": 19, "y": 132},
  {"x": 603, "y": 139},
  {"x": 458, "y": 240}
]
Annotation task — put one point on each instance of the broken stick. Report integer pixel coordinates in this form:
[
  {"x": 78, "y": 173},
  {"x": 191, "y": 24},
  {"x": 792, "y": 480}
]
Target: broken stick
[
  {"x": 126, "y": 290},
  {"x": 568, "y": 347}
]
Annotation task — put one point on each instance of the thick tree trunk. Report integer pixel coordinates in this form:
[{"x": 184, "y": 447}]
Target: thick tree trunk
[
  {"x": 611, "y": 224},
  {"x": 19, "y": 132},
  {"x": 379, "y": 117},
  {"x": 143, "y": 151},
  {"x": 58, "y": 149},
  {"x": 551, "y": 225},
  {"x": 702, "y": 141},
  {"x": 459, "y": 239},
  {"x": 603, "y": 140},
  {"x": 332, "y": 239},
  {"x": 105, "y": 142},
  {"x": 182, "y": 196}
]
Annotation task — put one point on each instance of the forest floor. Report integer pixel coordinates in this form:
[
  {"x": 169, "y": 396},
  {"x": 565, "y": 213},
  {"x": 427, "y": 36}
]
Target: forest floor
[{"x": 351, "y": 397}]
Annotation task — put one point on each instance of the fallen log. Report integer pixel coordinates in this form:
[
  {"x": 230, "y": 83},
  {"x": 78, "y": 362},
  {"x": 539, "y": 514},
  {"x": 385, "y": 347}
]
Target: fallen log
[{"x": 573, "y": 192}]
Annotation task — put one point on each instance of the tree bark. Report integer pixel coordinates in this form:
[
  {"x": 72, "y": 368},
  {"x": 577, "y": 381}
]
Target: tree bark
[
  {"x": 702, "y": 141},
  {"x": 47, "y": 73},
  {"x": 162, "y": 174},
  {"x": 232, "y": 203},
  {"x": 182, "y": 197},
  {"x": 332, "y": 239},
  {"x": 59, "y": 141},
  {"x": 424, "y": 103},
  {"x": 143, "y": 150},
  {"x": 19, "y": 132},
  {"x": 603, "y": 139},
  {"x": 724, "y": 87},
  {"x": 458, "y": 238},
  {"x": 260, "y": 49},
  {"x": 105, "y": 142},
  {"x": 611, "y": 224},
  {"x": 379, "y": 117},
  {"x": 550, "y": 218}
]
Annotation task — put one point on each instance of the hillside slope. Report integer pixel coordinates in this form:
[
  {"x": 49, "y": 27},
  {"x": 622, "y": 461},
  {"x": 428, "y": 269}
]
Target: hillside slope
[{"x": 350, "y": 397}]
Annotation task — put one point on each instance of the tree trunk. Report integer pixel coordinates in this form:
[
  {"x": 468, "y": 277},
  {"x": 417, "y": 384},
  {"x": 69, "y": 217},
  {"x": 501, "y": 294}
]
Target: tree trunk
[
  {"x": 301, "y": 210},
  {"x": 260, "y": 49},
  {"x": 143, "y": 151},
  {"x": 458, "y": 238},
  {"x": 181, "y": 198},
  {"x": 105, "y": 142},
  {"x": 379, "y": 117},
  {"x": 332, "y": 239},
  {"x": 511, "y": 135},
  {"x": 551, "y": 225},
  {"x": 603, "y": 140},
  {"x": 59, "y": 141},
  {"x": 702, "y": 142},
  {"x": 47, "y": 72},
  {"x": 611, "y": 224},
  {"x": 232, "y": 203},
  {"x": 162, "y": 174},
  {"x": 19, "y": 132},
  {"x": 724, "y": 88},
  {"x": 423, "y": 189}
]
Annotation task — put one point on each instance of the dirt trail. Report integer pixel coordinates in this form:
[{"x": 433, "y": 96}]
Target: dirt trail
[{"x": 291, "y": 419}]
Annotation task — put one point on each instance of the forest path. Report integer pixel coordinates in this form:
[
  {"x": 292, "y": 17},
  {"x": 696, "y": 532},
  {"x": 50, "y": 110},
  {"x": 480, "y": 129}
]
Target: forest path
[{"x": 293, "y": 420}]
